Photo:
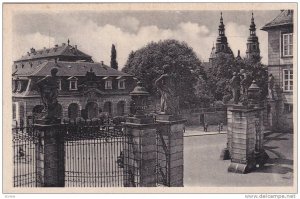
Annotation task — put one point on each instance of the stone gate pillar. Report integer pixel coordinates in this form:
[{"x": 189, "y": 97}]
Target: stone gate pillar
[
  {"x": 49, "y": 154},
  {"x": 140, "y": 147},
  {"x": 140, "y": 152},
  {"x": 170, "y": 138},
  {"x": 246, "y": 143}
]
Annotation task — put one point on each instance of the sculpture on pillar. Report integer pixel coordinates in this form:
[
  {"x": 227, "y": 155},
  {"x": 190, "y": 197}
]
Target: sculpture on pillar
[
  {"x": 48, "y": 88},
  {"x": 235, "y": 87},
  {"x": 166, "y": 85},
  {"x": 271, "y": 86}
]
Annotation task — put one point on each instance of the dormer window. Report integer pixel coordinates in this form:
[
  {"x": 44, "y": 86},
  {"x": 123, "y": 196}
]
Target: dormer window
[
  {"x": 72, "y": 83},
  {"x": 121, "y": 82},
  {"x": 108, "y": 84}
]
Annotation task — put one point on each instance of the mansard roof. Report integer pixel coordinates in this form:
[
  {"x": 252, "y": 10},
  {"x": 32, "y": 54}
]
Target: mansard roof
[
  {"x": 284, "y": 18},
  {"x": 65, "y": 50},
  {"x": 67, "y": 69}
]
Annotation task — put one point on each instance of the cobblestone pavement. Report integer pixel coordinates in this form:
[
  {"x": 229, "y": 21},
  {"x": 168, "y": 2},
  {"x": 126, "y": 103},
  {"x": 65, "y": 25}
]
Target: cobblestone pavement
[{"x": 203, "y": 167}]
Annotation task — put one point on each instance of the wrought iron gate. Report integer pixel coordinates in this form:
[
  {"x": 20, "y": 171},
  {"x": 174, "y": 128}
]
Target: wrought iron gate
[
  {"x": 162, "y": 159},
  {"x": 24, "y": 143},
  {"x": 97, "y": 153}
]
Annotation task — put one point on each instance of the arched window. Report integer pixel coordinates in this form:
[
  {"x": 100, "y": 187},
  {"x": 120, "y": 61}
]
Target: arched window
[
  {"x": 73, "y": 110},
  {"x": 107, "y": 107}
]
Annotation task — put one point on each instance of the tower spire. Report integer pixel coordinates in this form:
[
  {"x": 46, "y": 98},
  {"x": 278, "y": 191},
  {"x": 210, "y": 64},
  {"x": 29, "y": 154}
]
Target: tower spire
[
  {"x": 252, "y": 42},
  {"x": 221, "y": 26}
]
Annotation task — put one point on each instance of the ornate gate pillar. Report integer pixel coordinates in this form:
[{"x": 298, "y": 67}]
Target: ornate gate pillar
[{"x": 140, "y": 151}]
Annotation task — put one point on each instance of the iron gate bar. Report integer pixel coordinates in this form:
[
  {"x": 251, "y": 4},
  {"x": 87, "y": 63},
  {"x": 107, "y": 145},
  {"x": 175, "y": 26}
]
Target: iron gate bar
[{"x": 24, "y": 154}]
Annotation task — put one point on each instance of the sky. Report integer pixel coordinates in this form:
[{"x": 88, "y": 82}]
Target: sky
[{"x": 94, "y": 32}]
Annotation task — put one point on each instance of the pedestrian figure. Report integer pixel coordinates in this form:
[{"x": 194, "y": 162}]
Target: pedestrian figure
[
  {"x": 205, "y": 127},
  {"x": 221, "y": 126}
]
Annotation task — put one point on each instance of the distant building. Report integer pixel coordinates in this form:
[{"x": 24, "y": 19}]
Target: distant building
[
  {"x": 222, "y": 46},
  {"x": 86, "y": 88},
  {"x": 253, "y": 50},
  {"x": 221, "y": 43},
  {"x": 280, "y": 65}
]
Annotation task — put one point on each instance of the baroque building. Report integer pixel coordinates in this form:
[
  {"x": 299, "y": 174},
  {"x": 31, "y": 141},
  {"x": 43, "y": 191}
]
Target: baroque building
[
  {"x": 280, "y": 64},
  {"x": 86, "y": 88}
]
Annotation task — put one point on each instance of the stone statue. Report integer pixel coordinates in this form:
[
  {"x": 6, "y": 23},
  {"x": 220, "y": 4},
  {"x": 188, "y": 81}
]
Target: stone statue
[
  {"x": 271, "y": 86},
  {"x": 48, "y": 87},
  {"x": 235, "y": 86},
  {"x": 166, "y": 84},
  {"x": 245, "y": 83}
]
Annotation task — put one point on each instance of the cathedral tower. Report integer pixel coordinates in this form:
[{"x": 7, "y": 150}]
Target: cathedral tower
[
  {"x": 222, "y": 44},
  {"x": 252, "y": 42}
]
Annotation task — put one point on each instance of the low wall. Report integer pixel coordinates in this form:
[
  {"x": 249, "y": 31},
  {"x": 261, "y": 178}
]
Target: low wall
[{"x": 212, "y": 118}]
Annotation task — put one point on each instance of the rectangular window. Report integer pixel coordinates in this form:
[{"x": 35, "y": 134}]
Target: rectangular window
[
  {"x": 122, "y": 84},
  {"x": 108, "y": 84},
  {"x": 14, "y": 111},
  {"x": 288, "y": 80},
  {"x": 288, "y": 108},
  {"x": 287, "y": 44},
  {"x": 59, "y": 84},
  {"x": 73, "y": 85}
]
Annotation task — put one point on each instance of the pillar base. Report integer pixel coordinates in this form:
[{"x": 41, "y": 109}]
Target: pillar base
[
  {"x": 261, "y": 158},
  {"x": 225, "y": 154}
]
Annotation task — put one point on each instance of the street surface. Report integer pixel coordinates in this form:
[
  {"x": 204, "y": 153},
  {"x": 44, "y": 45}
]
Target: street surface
[{"x": 203, "y": 167}]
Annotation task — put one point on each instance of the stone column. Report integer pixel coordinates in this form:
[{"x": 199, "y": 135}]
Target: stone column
[
  {"x": 246, "y": 140},
  {"x": 50, "y": 155},
  {"x": 170, "y": 133},
  {"x": 140, "y": 153}
]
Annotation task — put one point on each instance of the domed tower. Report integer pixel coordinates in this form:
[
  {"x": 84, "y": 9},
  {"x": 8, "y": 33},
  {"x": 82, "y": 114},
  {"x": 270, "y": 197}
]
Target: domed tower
[
  {"x": 252, "y": 42},
  {"x": 222, "y": 44}
]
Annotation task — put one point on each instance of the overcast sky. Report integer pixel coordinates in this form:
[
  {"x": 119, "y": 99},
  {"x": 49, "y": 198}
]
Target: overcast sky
[{"x": 95, "y": 32}]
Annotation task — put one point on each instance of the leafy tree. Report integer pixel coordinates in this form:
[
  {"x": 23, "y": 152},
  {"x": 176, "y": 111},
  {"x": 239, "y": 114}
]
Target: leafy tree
[
  {"x": 147, "y": 65},
  {"x": 223, "y": 67},
  {"x": 219, "y": 75},
  {"x": 113, "y": 58}
]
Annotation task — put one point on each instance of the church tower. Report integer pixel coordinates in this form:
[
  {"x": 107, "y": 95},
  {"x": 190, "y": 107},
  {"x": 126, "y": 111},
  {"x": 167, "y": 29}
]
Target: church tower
[
  {"x": 252, "y": 42},
  {"x": 222, "y": 44}
]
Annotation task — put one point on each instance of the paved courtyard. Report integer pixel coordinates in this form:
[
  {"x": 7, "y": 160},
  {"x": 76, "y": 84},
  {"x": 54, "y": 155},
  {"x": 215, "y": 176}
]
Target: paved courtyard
[{"x": 203, "y": 167}]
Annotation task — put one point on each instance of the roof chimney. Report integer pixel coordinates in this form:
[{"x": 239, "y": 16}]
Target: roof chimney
[
  {"x": 32, "y": 50},
  {"x": 56, "y": 45},
  {"x": 102, "y": 63}
]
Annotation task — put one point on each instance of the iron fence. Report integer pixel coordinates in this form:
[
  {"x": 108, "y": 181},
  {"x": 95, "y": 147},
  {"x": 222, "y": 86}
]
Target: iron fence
[
  {"x": 24, "y": 155},
  {"x": 99, "y": 153}
]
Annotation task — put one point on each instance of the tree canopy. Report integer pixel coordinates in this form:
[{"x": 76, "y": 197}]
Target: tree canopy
[
  {"x": 147, "y": 65},
  {"x": 222, "y": 69}
]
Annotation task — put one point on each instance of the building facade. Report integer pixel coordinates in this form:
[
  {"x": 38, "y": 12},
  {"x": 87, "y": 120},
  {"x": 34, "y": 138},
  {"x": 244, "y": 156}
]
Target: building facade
[
  {"x": 280, "y": 65},
  {"x": 86, "y": 89}
]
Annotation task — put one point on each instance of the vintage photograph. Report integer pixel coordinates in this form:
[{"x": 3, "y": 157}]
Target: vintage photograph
[{"x": 103, "y": 96}]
